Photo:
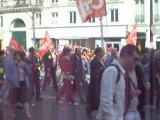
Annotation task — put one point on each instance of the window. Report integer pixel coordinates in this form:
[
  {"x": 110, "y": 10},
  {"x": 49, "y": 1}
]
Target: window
[
  {"x": 54, "y": 1},
  {"x": 38, "y": 2},
  {"x": 73, "y": 17},
  {"x": 54, "y": 17},
  {"x": 139, "y": 11},
  {"x": 156, "y": 10},
  {"x": 114, "y": 15},
  {"x": 1, "y": 21},
  {"x": 1, "y": 3},
  {"x": 91, "y": 20},
  {"x": 38, "y": 19}
]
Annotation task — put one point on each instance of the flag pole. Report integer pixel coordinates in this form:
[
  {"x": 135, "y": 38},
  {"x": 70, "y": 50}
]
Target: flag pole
[{"x": 102, "y": 37}]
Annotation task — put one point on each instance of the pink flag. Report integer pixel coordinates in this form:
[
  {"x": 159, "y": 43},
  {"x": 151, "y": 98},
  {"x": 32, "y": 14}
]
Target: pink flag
[
  {"x": 14, "y": 44},
  {"x": 91, "y": 9},
  {"x": 132, "y": 38},
  {"x": 45, "y": 44}
]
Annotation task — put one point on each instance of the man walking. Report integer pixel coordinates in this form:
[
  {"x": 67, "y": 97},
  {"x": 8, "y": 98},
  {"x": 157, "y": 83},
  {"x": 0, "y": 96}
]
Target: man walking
[
  {"x": 50, "y": 66},
  {"x": 115, "y": 95},
  {"x": 34, "y": 63}
]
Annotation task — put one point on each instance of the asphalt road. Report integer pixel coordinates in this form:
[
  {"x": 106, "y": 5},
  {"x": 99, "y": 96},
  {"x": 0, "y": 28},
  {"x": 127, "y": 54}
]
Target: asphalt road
[{"x": 49, "y": 109}]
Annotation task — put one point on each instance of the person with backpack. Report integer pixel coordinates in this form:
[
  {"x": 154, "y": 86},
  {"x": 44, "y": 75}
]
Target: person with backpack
[
  {"x": 96, "y": 67},
  {"x": 115, "y": 94}
]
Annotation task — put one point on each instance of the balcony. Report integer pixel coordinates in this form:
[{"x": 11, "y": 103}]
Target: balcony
[{"x": 13, "y": 6}]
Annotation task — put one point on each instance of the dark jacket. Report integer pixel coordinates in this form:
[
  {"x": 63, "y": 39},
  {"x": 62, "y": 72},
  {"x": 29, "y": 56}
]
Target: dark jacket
[
  {"x": 48, "y": 60},
  {"x": 96, "y": 67},
  {"x": 77, "y": 67},
  {"x": 141, "y": 100}
]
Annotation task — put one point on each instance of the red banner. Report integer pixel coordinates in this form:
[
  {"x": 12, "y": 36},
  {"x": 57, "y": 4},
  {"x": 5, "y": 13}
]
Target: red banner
[
  {"x": 45, "y": 44},
  {"x": 14, "y": 44},
  {"x": 132, "y": 38},
  {"x": 91, "y": 9}
]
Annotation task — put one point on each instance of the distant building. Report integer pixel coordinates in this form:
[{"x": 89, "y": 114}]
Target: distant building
[{"x": 62, "y": 20}]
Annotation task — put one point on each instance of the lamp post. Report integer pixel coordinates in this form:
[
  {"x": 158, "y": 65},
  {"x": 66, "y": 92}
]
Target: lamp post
[{"x": 151, "y": 21}]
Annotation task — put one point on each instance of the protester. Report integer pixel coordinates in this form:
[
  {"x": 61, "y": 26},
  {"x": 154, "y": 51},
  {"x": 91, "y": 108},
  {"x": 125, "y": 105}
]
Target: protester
[
  {"x": 1, "y": 67},
  {"x": 156, "y": 80},
  {"x": 115, "y": 95},
  {"x": 96, "y": 67},
  {"x": 19, "y": 83},
  {"x": 78, "y": 72},
  {"x": 34, "y": 62},
  {"x": 50, "y": 69},
  {"x": 68, "y": 77},
  {"x": 85, "y": 64}
]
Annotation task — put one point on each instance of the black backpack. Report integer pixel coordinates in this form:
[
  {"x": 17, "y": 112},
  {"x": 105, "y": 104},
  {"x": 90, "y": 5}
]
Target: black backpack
[{"x": 117, "y": 80}]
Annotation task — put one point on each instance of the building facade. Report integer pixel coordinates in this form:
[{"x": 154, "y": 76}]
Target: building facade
[
  {"x": 28, "y": 20},
  {"x": 156, "y": 23}
]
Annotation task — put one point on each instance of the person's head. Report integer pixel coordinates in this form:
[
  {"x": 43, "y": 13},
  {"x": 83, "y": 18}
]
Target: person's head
[
  {"x": 99, "y": 52},
  {"x": 67, "y": 51},
  {"x": 51, "y": 48},
  {"x": 31, "y": 50},
  {"x": 129, "y": 56},
  {"x": 84, "y": 51},
  {"x": 18, "y": 56},
  {"x": 78, "y": 51},
  {"x": 109, "y": 47}
]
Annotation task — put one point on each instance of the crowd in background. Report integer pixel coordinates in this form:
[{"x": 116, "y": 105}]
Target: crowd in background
[{"x": 21, "y": 74}]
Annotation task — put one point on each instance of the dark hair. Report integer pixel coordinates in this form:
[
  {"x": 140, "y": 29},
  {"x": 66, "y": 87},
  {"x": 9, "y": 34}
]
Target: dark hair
[
  {"x": 98, "y": 50},
  {"x": 109, "y": 45},
  {"x": 128, "y": 50},
  {"x": 84, "y": 50},
  {"x": 66, "y": 50},
  {"x": 31, "y": 49},
  {"x": 22, "y": 55}
]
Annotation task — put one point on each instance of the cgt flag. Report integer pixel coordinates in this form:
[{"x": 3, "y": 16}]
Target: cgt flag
[
  {"x": 15, "y": 45},
  {"x": 91, "y": 9},
  {"x": 45, "y": 44},
  {"x": 132, "y": 38}
]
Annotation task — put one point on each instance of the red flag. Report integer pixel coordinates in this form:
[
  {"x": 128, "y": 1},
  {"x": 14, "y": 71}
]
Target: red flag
[
  {"x": 132, "y": 38},
  {"x": 45, "y": 44},
  {"x": 14, "y": 44},
  {"x": 91, "y": 9}
]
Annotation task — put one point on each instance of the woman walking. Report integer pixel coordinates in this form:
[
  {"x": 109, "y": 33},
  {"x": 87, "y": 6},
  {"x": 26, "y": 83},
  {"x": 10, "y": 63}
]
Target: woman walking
[
  {"x": 67, "y": 70},
  {"x": 19, "y": 84}
]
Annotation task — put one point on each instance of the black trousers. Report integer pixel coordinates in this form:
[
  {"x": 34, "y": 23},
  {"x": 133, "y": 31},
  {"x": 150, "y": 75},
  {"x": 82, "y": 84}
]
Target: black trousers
[
  {"x": 36, "y": 83},
  {"x": 52, "y": 77}
]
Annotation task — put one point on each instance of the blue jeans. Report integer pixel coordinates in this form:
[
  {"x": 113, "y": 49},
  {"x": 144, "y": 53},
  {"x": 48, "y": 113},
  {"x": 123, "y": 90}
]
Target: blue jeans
[{"x": 132, "y": 115}]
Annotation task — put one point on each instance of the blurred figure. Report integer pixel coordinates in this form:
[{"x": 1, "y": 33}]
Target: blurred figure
[
  {"x": 85, "y": 64},
  {"x": 50, "y": 66},
  {"x": 156, "y": 79},
  {"x": 68, "y": 77},
  {"x": 19, "y": 83},
  {"x": 78, "y": 72},
  {"x": 1, "y": 67},
  {"x": 1, "y": 82},
  {"x": 110, "y": 56},
  {"x": 96, "y": 67},
  {"x": 34, "y": 62}
]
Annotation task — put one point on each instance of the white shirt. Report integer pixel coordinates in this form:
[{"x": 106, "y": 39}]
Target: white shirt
[{"x": 108, "y": 109}]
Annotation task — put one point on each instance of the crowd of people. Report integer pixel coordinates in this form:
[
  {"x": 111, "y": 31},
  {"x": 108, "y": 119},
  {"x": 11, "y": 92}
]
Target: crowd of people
[{"x": 120, "y": 85}]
